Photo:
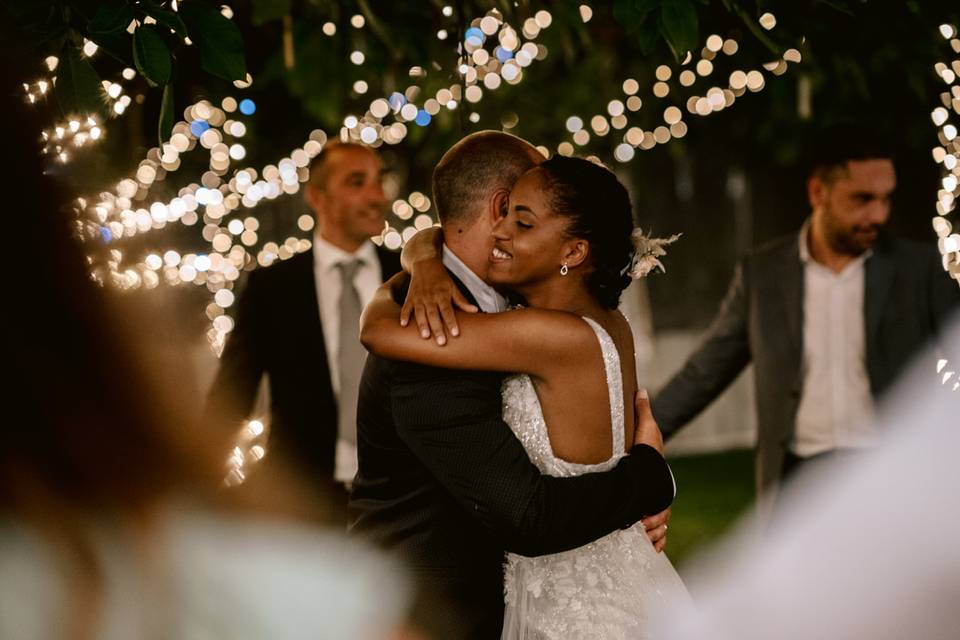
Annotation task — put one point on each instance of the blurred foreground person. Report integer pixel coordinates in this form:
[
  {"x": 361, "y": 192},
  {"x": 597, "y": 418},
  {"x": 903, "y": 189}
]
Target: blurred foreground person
[
  {"x": 113, "y": 519},
  {"x": 865, "y": 549},
  {"x": 829, "y": 317}
]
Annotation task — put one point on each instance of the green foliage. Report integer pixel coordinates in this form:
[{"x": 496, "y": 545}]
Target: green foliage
[
  {"x": 678, "y": 22},
  {"x": 713, "y": 491},
  {"x": 220, "y": 42},
  {"x": 167, "y": 109},
  {"x": 111, "y": 17},
  {"x": 62, "y": 25},
  {"x": 78, "y": 86},
  {"x": 169, "y": 19},
  {"x": 675, "y": 21},
  {"x": 267, "y": 10},
  {"x": 151, "y": 55}
]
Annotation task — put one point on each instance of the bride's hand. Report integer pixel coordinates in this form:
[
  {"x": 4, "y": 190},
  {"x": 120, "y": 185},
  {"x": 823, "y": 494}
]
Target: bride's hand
[
  {"x": 656, "y": 528},
  {"x": 431, "y": 299}
]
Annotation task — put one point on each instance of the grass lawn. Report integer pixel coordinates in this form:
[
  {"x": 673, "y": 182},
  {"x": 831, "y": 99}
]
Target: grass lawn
[{"x": 713, "y": 490}]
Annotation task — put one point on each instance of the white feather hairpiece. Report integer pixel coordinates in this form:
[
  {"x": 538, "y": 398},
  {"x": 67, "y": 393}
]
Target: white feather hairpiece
[{"x": 647, "y": 252}]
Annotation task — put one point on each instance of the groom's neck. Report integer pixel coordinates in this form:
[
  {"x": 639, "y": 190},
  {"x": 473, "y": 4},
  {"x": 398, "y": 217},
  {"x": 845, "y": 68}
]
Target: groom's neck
[{"x": 472, "y": 251}]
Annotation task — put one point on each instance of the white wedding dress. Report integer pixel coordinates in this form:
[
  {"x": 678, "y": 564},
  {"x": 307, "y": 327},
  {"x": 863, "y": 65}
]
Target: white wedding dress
[{"x": 609, "y": 588}]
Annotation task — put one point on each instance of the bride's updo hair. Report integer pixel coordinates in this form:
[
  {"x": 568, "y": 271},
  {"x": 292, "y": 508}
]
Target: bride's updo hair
[{"x": 599, "y": 211}]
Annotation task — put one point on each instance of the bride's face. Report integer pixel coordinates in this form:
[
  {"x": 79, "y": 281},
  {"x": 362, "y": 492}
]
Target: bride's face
[{"x": 530, "y": 241}]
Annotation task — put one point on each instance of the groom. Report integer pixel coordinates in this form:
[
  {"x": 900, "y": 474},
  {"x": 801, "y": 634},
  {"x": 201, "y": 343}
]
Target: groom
[{"x": 442, "y": 479}]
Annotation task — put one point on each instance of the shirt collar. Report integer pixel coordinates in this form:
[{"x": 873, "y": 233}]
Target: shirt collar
[
  {"x": 804, "y": 240},
  {"x": 806, "y": 258},
  {"x": 326, "y": 256},
  {"x": 487, "y": 297}
]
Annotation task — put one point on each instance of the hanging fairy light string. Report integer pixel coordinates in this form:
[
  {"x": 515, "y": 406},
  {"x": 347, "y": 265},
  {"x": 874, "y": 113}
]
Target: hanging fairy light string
[
  {"x": 114, "y": 217},
  {"x": 947, "y": 155},
  {"x": 496, "y": 54},
  {"x": 366, "y": 129},
  {"x": 82, "y": 130},
  {"x": 673, "y": 125},
  {"x": 216, "y": 199}
]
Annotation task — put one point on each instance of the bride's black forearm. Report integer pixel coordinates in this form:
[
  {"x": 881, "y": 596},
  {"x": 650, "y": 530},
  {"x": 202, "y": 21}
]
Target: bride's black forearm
[{"x": 566, "y": 513}]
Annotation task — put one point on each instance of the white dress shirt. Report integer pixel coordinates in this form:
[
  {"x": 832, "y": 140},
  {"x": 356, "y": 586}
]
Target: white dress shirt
[
  {"x": 326, "y": 257},
  {"x": 836, "y": 406},
  {"x": 487, "y": 297}
]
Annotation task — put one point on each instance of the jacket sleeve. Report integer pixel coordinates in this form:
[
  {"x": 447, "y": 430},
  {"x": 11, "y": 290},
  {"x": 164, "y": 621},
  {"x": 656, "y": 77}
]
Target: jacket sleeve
[
  {"x": 234, "y": 389},
  {"x": 452, "y": 422},
  {"x": 723, "y": 354},
  {"x": 944, "y": 296}
]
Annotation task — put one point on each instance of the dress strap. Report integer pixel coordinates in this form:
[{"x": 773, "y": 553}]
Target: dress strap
[{"x": 611, "y": 364}]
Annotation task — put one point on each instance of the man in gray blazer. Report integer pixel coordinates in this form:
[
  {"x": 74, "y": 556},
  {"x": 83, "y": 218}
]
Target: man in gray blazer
[{"x": 829, "y": 317}]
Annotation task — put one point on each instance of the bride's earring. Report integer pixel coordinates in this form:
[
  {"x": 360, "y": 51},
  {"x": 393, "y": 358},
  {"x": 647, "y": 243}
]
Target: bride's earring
[{"x": 564, "y": 270}]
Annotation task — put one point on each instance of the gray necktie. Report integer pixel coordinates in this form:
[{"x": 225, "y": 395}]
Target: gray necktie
[{"x": 351, "y": 356}]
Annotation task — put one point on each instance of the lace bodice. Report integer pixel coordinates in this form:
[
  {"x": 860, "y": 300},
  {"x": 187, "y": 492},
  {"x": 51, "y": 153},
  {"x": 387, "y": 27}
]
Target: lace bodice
[{"x": 605, "y": 589}]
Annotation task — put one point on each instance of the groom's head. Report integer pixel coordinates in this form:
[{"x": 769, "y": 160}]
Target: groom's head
[{"x": 471, "y": 184}]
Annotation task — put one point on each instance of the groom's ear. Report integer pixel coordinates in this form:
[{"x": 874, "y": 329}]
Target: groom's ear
[{"x": 498, "y": 205}]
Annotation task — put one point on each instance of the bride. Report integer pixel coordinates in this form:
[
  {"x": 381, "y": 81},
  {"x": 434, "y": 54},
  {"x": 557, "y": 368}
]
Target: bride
[{"x": 565, "y": 245}]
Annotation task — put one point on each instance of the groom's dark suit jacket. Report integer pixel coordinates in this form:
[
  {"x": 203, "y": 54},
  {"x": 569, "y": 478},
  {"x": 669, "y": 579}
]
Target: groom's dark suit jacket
[
  {"x": 444, "y": 482},
  {"x": 278, "y": 332}
]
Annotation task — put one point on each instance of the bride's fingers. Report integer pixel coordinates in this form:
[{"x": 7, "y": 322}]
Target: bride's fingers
[
  {"x": 405, "y": 312},
  {"x": 449, "y": 318},
  {"x": 421, "y": 315},
  {"x": 462, "y": 303},
  {"x": 436, "y": 325},
  {"x": 658, "y": 534},
  {"x": 655, "y": 521},
  {"x": 660, "y": 544}
]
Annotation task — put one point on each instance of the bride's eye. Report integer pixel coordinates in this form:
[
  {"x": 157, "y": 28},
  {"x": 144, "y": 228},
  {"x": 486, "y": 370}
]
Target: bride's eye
[{"x": 524, "y": 225}]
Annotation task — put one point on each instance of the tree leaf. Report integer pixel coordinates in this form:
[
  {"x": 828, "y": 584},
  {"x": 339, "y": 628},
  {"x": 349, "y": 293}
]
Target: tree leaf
[
  {"x": 151, "y": 55},
  {"x": 219, "y": 40},
  {"x": 112, "y": 16},
  {"x": 116, "y": 44},
  {"x": 679, "y": 21},
  {"x": 632, "y": 14},
  {"x": 267, "y": 10},
  {"x": 646, "y": 6},
  {"x": 165, "y": 124},
  {"x": 78, "y": 86},
  {"x": 169, "y": 19},
  {"x": 39, "y": 19},
  {"x": 625, "y": 12},
  {"x": 648, "y": 36}
]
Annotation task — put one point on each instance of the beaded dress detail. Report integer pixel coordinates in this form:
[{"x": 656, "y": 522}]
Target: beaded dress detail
[{"x": 608, "y": 588}]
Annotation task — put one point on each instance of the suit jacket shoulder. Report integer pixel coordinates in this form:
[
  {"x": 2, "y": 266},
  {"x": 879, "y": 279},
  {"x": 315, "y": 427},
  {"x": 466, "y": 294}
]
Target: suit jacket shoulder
[
  {"x": 282, "y": 271},
  {"x": 774, "y": 251},
  {"x": 908, "y": 251},
  {"x": 389, "y": 263}
]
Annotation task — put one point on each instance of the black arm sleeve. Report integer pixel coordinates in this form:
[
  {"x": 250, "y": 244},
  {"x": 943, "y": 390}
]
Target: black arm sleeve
[
  {"x": 234, "y": 388},
  {"x": 454, "y": 426},
  {"x": 944, "y": 296},
  {"x": 724, "y": 353}
]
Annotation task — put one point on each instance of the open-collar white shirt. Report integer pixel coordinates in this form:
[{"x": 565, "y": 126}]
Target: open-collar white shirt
[
  {"x": 836, "y": 406},
  {"x": 327, "y": 276},
  {"x": 488, "y": 299}
]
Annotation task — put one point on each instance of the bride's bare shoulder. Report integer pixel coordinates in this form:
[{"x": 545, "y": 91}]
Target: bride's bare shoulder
[{"x": 560, "y": 327}]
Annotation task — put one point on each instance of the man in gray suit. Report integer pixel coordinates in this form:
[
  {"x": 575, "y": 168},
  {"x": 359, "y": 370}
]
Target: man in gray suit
[{"x": 829, "y": 317}]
